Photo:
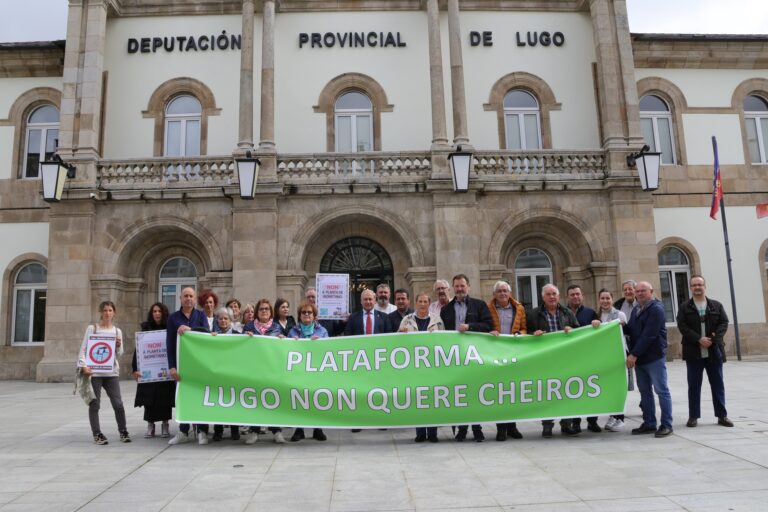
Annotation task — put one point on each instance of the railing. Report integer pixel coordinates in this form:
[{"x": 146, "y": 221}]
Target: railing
[
  {"x": 395, "y": 167},
  {"x": 330, "y": 167},
  {"x": 166, "y": 172},
  {"x": 540, "y": 164}
]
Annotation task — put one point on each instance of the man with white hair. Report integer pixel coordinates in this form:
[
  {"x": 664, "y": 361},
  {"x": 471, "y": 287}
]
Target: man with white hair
[
  {"x": 442, "y": 298},
  {"x": 508, "y": 317},
  {"x": 552, "y": 317}
]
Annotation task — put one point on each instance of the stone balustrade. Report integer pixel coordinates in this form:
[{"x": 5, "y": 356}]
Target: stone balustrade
[
  {"x": 373, "y": 167},
  {"x": 539, "y": 165},
  {"x": 180, "y": 172},
  {"x": 331, "y": 168}
]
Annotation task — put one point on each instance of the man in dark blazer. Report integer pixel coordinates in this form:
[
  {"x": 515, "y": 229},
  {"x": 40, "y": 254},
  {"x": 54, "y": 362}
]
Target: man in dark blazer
[
  {"x": 367, "y": 321},
  {"x": 464, "y": 314}
]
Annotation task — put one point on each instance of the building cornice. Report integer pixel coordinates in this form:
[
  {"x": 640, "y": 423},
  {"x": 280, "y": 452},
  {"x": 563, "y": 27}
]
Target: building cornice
[
  {"x": 700, "y": 51},
  {"x": 31, "y": 59},
  {"x": 132, "y": 8}
]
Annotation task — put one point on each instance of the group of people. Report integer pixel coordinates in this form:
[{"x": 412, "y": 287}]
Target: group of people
[{"x": 701, "y": 320}]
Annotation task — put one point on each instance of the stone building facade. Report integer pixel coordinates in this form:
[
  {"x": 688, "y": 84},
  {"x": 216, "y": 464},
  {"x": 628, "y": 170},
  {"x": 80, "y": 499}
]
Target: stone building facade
[{"x": 268, "y": 78}]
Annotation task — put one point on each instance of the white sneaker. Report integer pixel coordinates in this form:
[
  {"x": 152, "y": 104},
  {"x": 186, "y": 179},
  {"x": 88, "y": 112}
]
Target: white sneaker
[
  {"x": 279, "y": 439},
  {"x": 617, "y": 426},
  {"x": 179, "y": 438},
  {"x": 202, "y": 438},
  {"x": 610, "y": 423},
  {"x": 252, "y": 437}
]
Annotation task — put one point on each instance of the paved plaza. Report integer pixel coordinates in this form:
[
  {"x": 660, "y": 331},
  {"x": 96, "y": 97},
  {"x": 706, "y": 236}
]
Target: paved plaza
[{"x": 49, "y": 462}]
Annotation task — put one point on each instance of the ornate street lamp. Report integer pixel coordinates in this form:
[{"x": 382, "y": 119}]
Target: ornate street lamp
[
  {"x": 247, "y": 175},
  {"x": 55, "y": 174},
  {"x": 648, "y": 164},
  {"x": 460, "y": 163}
]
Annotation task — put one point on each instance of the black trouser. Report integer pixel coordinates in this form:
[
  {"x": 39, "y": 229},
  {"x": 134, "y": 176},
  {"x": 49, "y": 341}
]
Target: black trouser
[
  {"x": 184, "y": 428},
  {"x": 430, "y": 432},
  {"x": 233, "y": 429},
  {"x": 505, "y": 427},
  {"x": 476, "y": 429},
  {"x": 274, "y": 430}
]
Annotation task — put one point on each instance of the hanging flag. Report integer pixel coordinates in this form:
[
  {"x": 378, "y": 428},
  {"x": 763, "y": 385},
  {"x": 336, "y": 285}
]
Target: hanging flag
[
  {"x": 762, "y": 210},
  {"x": 717, "y": 185}
]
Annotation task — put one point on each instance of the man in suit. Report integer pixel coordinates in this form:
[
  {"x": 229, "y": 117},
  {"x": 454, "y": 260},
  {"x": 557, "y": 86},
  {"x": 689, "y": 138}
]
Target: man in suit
[
  {"x": 463, "y": 314},
  {"x": 367, "y": 321}
]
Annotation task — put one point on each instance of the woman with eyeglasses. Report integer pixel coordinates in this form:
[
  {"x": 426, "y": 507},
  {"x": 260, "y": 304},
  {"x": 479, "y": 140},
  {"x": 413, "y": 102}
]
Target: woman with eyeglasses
[
  {"x": 307, "y": 329},
  {"x": 263, "y": 325}
]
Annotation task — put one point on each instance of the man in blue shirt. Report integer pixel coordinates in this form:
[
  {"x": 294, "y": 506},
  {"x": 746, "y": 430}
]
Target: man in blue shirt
[
  {"x": 185, "y": 319},
  {"x": 647, "y": 355}
]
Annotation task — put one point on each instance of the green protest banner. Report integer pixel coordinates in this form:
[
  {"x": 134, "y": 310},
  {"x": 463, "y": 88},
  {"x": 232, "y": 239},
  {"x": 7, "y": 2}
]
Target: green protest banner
[{"x": 399, "y": 380}]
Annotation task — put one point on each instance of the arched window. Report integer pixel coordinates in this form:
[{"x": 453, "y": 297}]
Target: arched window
[
  {"x": 656, "y": 124},
  {"x": 521, "y": 120},
  {"x": 42, "y": 138},
  {"x": 674, "y": 275},
  {"x": 29, "y": 294},
  {"x": 175, "y": 275},
  {"x": 533, "y": 270},
  {"x": 756, "y": 119},
  {"x": 353, "y": 114},
  {"x": 182, "y": 126}
]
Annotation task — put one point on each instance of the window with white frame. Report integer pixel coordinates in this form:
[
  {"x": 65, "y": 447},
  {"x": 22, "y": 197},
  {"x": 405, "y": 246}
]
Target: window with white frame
[
  {"x": 674, "y": 275},
  {"x": 756, "y": 119},
  {"x": 175, "y": 275},
  {"x": 656, "y": 124},
  {"x": 42, "y": 136},
  {"x": 182, "y": 126},
  {"x": 533, "y": 269},
  {"x": 30, "y": 289},
  {"x": 353, "y": 117},
  {"x": 521, "y": 120}
]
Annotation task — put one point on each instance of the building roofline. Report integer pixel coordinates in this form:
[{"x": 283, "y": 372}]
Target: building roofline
[{"x": 699, "y": 37}]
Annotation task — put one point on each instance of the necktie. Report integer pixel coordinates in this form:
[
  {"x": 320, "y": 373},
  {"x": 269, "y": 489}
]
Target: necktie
[{"x": 368, "y": 323}]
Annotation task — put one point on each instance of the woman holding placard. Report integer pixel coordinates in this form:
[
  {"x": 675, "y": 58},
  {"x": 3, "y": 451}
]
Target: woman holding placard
[
  {"x": 157, "y": 398},
  {"x": 98, "y": 357}
]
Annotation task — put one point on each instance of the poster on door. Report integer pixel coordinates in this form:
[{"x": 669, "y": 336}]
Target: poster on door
[{"x": 332, "y": 296}]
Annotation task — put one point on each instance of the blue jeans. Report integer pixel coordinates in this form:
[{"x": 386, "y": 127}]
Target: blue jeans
[
  {"x": 653, "y": 377},
  {"x": 714, "y": 368}
]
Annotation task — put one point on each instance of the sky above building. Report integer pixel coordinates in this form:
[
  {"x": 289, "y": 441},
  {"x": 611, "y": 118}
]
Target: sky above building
[{"x": 46, "y": 20}]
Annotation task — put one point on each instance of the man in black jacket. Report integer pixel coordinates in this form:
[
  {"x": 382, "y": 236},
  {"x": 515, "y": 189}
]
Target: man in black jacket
[
  {"x": 464, "y": 314},
  {"x": 703, "y": 323}
]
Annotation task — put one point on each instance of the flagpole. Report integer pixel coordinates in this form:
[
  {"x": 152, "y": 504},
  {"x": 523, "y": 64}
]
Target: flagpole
[{"x": 730, "y": 279}]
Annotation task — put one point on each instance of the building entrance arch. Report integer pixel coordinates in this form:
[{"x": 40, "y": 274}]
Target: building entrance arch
[{"x": 366, "y": 262}]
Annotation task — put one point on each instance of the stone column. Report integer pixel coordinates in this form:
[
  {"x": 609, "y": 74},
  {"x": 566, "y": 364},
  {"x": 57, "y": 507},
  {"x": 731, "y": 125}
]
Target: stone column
[
  {"x": 267, "y": 126},
  {"x": 245, "y": 127},
  {"x": 254, "y": 248},
  {"x": 459, "y": 102},
  {"x": 617, "y": 87},
  {"x": 635, "y": 236},
  {"x": 69, "y": 309},
  {"x": 457, "y": 238},
  {"x": 80, "y": 117},
  {"x": 439, "y": 137}
]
